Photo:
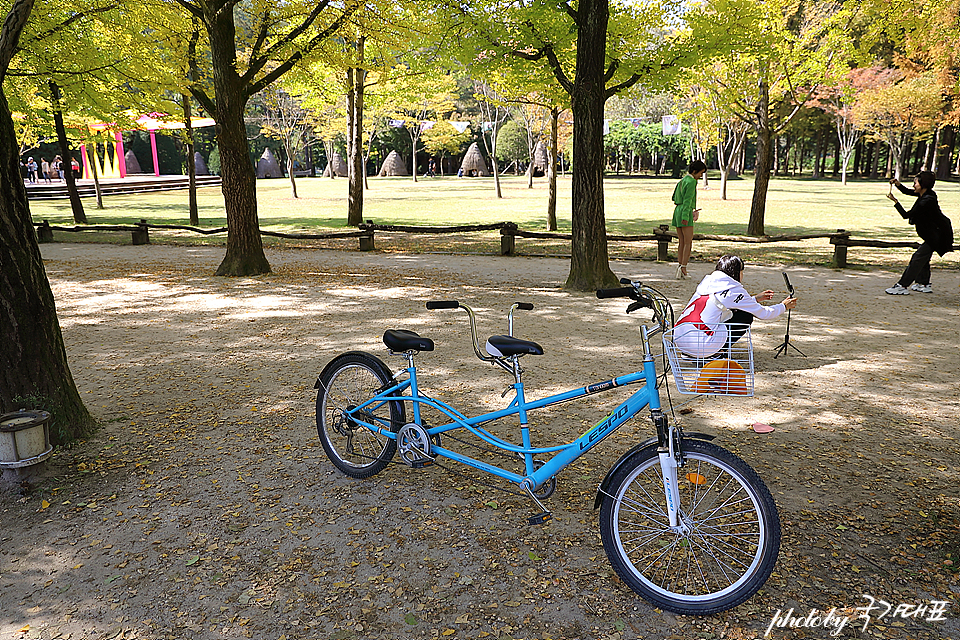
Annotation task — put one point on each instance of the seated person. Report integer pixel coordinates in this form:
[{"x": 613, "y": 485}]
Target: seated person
[{"x": 704, "y": 326}]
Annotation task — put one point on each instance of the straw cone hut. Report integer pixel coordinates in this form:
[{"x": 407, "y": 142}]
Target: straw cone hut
[
  {"x": 339, "y": 166},
  {"x": 393, "y": 166},
  {"x": 200, "y": 165},
  {"x": 268, "y": 167},
  {"x": 473, "y": 164},
  {"x": 540, "y": 159},
  {"x": 130, "y": 160}
]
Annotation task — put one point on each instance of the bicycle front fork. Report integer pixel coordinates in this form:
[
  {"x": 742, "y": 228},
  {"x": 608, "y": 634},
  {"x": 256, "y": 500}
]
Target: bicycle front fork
[{"x": 670, "y": 460}]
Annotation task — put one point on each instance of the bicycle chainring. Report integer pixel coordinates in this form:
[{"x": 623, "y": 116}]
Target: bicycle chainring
[{"x": 413, "y": 443}]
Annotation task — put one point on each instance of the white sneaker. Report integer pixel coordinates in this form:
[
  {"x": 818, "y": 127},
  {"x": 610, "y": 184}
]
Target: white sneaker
[
  {"x": 897, "y": 290},
  {"x": 922, "y": 288}
]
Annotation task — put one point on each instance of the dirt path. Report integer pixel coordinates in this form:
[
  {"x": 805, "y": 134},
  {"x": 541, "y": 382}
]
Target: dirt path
[{"x": 205, "y": 507}]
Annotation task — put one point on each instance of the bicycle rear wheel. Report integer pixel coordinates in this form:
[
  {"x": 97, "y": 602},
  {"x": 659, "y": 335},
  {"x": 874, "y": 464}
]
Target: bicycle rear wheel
[
  {"x": 347, "y": 382},
  {"x": 732, "y": 536}
]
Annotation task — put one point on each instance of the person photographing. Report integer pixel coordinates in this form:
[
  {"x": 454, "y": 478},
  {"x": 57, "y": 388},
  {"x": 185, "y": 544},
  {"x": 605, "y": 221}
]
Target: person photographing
[
  {"x": 721, "y": 309},
  {"x": 933, "y": 227}
]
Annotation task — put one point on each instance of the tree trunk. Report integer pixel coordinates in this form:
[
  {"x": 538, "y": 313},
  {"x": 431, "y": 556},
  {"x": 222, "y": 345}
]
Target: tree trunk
[
  {"x": 355, "y": 165},
  {"x": 33, "y": 362},
  {"x": 836, "y": 157},
  {"x": 308, "y": 152},
  {"x": 191, "y": 161},
  {"x": 244, "y": 255},
  {"x": 496, "y": 171},
  {"x": 79, "y": 216},
  {"x": 764, "y": 163},
  {"x": 414, "y": 138},
  {"x": 930, "y": 157},
  {"x": 589, "y": 262},
  {"x": 817, "y": 152},
  {"x": 857, "y": 153},
  {"x": 944, "y": 151},
  {"x": 552, "y": 170},
  {"x": 291, "y": 159}
]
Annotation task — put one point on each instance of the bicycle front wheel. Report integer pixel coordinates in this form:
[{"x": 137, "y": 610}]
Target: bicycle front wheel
[
  {"x": 725, "y": 548},
  {"x": 347, "y": 382}
]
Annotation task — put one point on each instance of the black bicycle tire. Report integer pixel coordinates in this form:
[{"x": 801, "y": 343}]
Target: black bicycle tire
[
  {"x": 762, "y": 504},
  {"x": 328, "y": 379}
]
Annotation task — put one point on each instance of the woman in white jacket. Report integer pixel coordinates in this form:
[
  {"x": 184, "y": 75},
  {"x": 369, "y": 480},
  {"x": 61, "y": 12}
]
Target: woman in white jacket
[{"x": 720, "y": 308}]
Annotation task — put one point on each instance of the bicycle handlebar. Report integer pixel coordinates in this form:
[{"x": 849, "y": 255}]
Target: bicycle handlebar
[
  {"x": 643, "y": 296},
  {"x": 622, "y": 292},
  {"x": 474, "y": 338},
  {"x": 443, "y": 304}
]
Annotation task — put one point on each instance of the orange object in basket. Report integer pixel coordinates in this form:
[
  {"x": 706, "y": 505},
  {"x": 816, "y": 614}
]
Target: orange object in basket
[{"x": 722, "y": 376}]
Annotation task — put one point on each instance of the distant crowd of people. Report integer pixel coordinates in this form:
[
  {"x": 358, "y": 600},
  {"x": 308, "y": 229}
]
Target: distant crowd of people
[{"x": 46, "y": 171}]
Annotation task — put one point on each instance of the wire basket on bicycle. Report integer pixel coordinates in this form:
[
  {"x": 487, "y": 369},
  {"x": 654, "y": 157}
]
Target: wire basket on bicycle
[{"x": 709, "y": 359}]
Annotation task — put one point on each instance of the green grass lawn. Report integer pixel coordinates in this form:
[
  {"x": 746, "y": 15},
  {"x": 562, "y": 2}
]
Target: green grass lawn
[{"x": 633, "y": 205}]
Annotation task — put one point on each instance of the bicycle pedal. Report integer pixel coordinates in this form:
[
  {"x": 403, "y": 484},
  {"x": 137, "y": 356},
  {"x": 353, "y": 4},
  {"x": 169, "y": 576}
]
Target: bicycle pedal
[
  {"x": 540, "y": 518},
  {"x": 420, "y": 464}
]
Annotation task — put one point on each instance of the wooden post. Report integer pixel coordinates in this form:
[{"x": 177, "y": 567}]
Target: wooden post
[
  {"x": 44, "y": 232},
  {"x": 366, "y": 242},
  {"x": 508, "y": 241},
  {"x": 839, "y": 243},
  {"x": 663, "y": 242},
  {"x": 141, "y": 235}
]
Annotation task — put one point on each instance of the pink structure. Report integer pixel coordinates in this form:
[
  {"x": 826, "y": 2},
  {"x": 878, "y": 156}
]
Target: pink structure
[{"x": 152, "y": 123}]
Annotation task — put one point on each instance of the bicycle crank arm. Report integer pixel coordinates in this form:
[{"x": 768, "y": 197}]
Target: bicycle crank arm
[{"x": 544, "y": 516}]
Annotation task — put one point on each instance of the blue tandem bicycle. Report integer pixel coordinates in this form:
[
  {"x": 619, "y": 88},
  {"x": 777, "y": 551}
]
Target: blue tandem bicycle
[{"x": 686, "y": 524}]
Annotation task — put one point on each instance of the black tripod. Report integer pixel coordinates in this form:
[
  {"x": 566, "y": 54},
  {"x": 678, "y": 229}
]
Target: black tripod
[{"x": 782, "y": 349}]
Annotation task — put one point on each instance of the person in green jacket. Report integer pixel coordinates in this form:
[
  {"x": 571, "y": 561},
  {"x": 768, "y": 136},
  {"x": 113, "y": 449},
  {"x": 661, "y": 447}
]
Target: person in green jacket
[{"x": 686, "y": 213}]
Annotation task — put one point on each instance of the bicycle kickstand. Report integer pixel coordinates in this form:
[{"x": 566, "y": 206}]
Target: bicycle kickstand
[{"x": 540, "y": 518}]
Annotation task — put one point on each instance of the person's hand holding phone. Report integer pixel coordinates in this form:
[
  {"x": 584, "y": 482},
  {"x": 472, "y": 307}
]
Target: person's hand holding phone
[{"x": 696, "y": 214}]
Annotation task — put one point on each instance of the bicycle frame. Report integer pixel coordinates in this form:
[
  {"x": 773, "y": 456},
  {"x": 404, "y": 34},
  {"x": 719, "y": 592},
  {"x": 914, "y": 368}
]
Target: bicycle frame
[{"x": 647, "y": 396}]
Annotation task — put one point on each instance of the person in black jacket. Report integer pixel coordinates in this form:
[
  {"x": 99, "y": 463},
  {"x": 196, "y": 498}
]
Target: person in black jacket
[{"x": 933, "y": 227}]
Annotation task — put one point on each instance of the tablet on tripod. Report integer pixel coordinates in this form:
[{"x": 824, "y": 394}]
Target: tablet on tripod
[
  {"x": 786, "y": 281},
  {"x": 782, "y": 349}
]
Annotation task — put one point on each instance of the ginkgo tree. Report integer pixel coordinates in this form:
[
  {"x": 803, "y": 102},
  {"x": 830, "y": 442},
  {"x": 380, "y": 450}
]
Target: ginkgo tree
[
  {"x": 923, "y": 39},
  {"x": 283, "y": 117},
  {"x": 593, "y": 49},
  {"x": 900, "y": 113},
  {"x": 75, "y": 65},
  {"x": 445, "y": 138},
  {"x": 34, "y": 373},
  {"x": 713, "y": 92},
  {"x": 774, "y": 56},
  {"x": 419, "y": 99},
  {"x": 247, "y": 47}
]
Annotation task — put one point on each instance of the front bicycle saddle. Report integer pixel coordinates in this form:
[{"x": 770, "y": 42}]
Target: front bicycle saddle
[{"x": 507, "y": 346}]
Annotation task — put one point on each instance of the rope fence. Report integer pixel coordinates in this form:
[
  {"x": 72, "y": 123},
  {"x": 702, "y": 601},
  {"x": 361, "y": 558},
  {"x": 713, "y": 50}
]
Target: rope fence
[{"x": 509, "y": 232}]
